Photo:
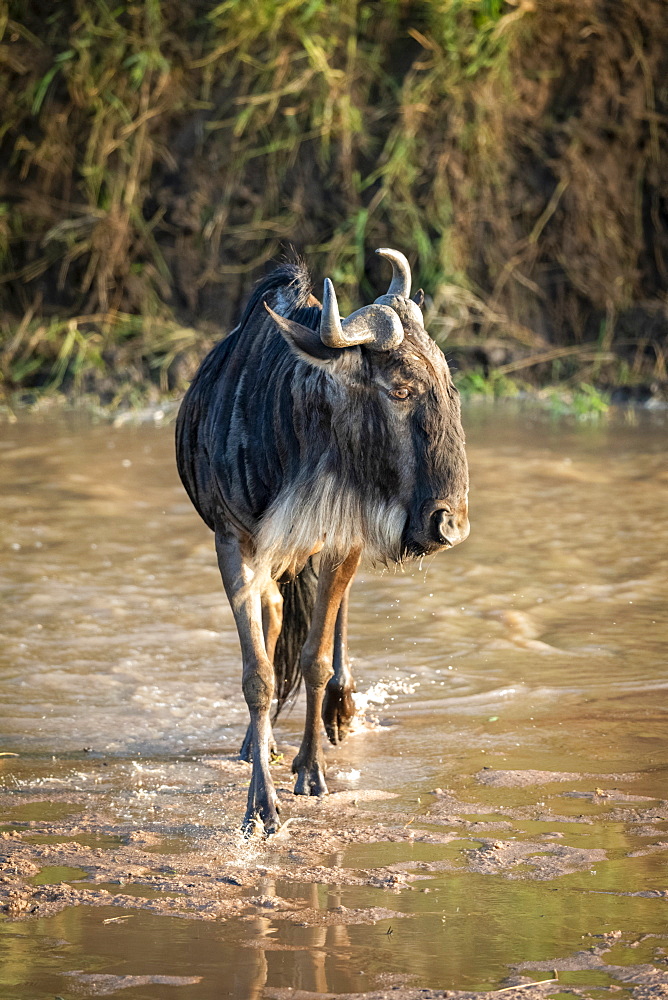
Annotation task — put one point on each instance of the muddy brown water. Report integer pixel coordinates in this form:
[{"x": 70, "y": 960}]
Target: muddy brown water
[{"x": 499, "y": 815}]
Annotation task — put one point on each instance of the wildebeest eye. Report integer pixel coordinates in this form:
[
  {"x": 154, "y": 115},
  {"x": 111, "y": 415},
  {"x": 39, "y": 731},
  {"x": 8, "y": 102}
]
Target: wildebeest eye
[{"x": 401, "y": 392}]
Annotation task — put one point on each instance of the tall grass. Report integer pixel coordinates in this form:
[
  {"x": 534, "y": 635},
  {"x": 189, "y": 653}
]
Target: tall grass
[{"x": 156, "y": 154}]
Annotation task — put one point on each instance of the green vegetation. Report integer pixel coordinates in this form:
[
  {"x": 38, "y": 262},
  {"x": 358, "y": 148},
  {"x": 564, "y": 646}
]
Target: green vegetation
[
  {"x": 492, "y": 386},
  {"x": 156, "y": 155},
  {"x": 583, "y": 401}
]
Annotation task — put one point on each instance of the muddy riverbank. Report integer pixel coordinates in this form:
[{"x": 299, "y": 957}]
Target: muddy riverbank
[{"x": 358, "y": 875}]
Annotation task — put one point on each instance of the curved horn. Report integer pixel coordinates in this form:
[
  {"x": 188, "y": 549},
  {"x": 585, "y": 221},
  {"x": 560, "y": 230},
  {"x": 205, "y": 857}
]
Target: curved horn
[
  {"x": 401, "y": 272},
  {"x": 377, "y": 326},
  {"x": 331, "y": 328},
  {"x": 397, "y": 295}
]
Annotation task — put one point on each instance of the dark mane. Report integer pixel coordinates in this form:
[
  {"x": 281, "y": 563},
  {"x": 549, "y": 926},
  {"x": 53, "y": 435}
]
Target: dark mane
[{"x": 288, "y": 288}]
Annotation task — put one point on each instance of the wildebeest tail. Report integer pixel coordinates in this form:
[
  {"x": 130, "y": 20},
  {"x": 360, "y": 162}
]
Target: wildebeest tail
[{"x": 298, "y": 600}]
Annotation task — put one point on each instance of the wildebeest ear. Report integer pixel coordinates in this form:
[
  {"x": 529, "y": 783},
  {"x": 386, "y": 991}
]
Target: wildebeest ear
[
  {"x": 304, "y": 341},
  {"x": 418, "y": 298}
]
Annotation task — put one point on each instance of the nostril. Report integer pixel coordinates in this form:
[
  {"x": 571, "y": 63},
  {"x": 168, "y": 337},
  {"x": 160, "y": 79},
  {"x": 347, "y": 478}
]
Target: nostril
[
  {"x": 444, "y": 528},
  {"x": 448, "y": 528}
]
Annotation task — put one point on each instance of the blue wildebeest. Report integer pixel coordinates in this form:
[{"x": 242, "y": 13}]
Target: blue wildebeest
[{"x": 303, "y": 433}]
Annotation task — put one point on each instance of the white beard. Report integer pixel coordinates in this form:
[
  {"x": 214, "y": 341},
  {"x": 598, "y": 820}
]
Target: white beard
[{"x": 323, "y": 516}]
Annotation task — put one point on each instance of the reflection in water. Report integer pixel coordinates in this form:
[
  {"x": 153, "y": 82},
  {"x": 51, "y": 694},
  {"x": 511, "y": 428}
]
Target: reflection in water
[
  {"x": 467, "y": 930},
  {"x": 537, "y": 644}
]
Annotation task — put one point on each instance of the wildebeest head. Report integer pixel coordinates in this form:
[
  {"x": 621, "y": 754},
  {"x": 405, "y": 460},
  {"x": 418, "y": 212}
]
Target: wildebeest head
[{"x": 395, "y": 413}]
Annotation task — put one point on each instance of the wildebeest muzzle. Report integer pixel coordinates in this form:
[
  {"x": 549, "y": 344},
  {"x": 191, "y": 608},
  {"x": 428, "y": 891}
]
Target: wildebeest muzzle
[{"x": 440, "y": 526}]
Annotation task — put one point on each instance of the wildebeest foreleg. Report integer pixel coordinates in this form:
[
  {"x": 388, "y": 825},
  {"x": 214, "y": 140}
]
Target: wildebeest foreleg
[
  {"x": 316, "y": 664},
  {"x": 272, "y": 619},
  {"x": 338, "y": 707},
  {"x": 244, "y": 592}
]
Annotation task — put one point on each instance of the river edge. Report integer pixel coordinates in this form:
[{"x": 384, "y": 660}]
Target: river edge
[{"x": 581, "y": 402}]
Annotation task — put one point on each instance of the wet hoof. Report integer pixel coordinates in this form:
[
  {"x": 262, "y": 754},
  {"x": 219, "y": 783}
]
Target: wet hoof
[
  {"x": 310, "y": 778},
  {"x": 262, "y": 820},
  {"x": 338, "y": 710}
]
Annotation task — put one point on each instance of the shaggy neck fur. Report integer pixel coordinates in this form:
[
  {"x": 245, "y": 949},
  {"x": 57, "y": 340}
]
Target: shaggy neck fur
[{"x": 320, "y": 513}]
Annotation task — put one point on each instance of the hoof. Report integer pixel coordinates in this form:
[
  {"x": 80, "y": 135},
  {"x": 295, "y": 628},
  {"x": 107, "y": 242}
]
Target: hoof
[
  {"x": 338, "y": 711},
  {"x": 264, "y": 821},
  {"x": 310, "y": 779}
]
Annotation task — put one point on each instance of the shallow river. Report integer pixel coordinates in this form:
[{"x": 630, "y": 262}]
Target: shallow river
[{"x": 538, "y": 645}]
